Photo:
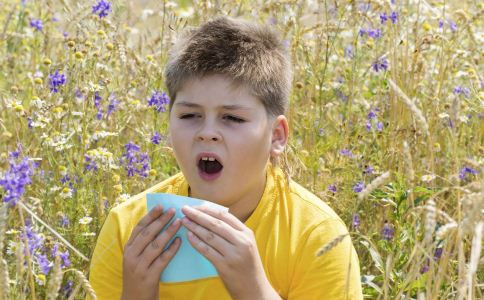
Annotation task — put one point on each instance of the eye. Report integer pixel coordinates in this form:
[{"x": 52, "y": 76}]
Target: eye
[
  {"x": 187, "y": 116},
  {"x": 234, "y": 119}
]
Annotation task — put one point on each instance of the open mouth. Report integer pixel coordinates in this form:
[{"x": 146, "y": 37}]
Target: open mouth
[{"x": 209, "y": 168}]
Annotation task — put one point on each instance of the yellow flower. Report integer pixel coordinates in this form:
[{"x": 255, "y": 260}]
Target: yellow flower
[
  {"x": 79, "y": 55},
  {"x": 19, "y": 108},
  {"x": 153, "y": 172},
  {"x": 57, "y": 109},
  {"x": 426, "y": 26},
  {"x": 118, "y": 188},
  {"x": 88, "y": 43},
  {"x": 116, "y": 178},
  {"x": 110, "y": 46},
  {"x": 101, "y": 33},
  {"x": 38, "y": 80},
  {"x": 149, "y": 57},
  {"x": 71, "y": 44},
  {"x": 47, "y": 61}
]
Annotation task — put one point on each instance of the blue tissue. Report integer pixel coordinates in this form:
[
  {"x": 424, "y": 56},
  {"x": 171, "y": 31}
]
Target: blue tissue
[{"x": 187, "y": 264}]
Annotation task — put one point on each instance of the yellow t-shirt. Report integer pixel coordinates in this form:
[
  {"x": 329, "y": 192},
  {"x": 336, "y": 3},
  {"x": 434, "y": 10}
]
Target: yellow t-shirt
[{"x": 290, "y": 225}]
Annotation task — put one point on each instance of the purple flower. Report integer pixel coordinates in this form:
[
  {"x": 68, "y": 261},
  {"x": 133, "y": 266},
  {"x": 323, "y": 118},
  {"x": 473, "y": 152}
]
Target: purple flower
[
  {"x": 44, "y": 264},
  {"x": 134, "y": 161},
  {"x": 16, "y": 178},
  {"x": 387, "y": 232},
  {"x": 374, "y": 33},
  {"x": 112, "y": 104},
  {"x": 358, "y": 187},
  {"x": 371, "y": 115},
  {"x": 383, "y": 18},
  {"x": 393, "y": 16},
  {"x": 425, "y": 267},
  {"x": 90, "y": 163},
  {"x": 56, "y": 80},
  {"x": 346, "y": 152},
  {"x": 349, "y": 51},
  {"x": 453, "y": 26},
  {"x": 97, "y": 99},
  {"x": 441, "y": 23},
  {"x": 64, "y": 221},
  {"x": 362, "y": 32},
  {"x": 37, "y": 24},
  {"x": 438, "y": 253},
  {"x": 379, "y": 126},
  {"x": 458, "y": 90},
  {"x": 159, "y": 101},
  {"x": 332, "y": 188},
  {"x": 356, "y": 220},
  {"x": 102, "y": 8},
  {"x": 156, "y": 138},
  {"x": 368, "y": 125},
  {"x": 66, "y": 290},
  {"x": 463, "y": 172},
  {"x": 99, "y": 114},
  {"x": 369, "y": 170},
  {"x": 380, "y": 64}
]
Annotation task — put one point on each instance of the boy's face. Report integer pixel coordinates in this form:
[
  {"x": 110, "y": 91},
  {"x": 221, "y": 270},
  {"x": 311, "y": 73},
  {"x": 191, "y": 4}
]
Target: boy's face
[{"x": 209, "y": 116}]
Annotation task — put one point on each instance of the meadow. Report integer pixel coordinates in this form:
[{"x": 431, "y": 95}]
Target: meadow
[{"x": 386, "y": 126}]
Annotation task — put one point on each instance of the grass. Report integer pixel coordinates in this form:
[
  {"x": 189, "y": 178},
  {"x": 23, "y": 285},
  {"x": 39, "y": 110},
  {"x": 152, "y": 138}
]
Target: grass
[{"x": 407, "y": 100}]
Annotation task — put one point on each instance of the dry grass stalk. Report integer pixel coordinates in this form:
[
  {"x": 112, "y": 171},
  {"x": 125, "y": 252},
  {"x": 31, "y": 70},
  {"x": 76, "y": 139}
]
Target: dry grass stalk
[
  {"x": 411, "y": 105},
  {"x": 430, "y": 220},
  {"x": 4, "y": 280},
  {"x": 474, "y": 259},
  {"x": 331, "y": 244},
  {"x": 86, "y": 285},
  {"x": 55, "y": 280},
  {"x": 408, "y": 161},
  {"x": 382, "y": 179},
  {"x": 3, "y": 225}
]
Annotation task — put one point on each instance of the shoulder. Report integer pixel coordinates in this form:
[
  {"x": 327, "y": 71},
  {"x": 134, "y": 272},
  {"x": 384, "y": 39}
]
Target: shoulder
[{"x": 307, "y": 203}]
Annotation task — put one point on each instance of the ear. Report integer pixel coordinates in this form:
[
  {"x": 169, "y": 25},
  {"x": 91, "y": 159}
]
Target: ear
[{"x": 280, "y": 135}]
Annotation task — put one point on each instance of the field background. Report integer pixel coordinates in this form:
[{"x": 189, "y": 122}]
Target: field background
[{"x": 386, "y": 120}]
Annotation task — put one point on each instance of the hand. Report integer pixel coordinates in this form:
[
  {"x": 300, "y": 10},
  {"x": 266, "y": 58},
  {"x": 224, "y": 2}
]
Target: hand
[
  {"x": 144, "y": 258},
  {"x": 231, "y": 247}
]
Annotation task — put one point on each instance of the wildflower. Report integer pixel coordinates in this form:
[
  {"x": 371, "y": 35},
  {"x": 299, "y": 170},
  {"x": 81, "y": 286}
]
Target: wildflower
[
  {"x": 380, "y": 64},
  {"x": 102, "y": 8},
  {"x": 358, "y": 187},
  {"x": 374, "y": 33},
  {"x": 349, "y": 51},
  {"x": 56, "y": 80},
  {"x": 66, "y": 290},
  {"x": 134, "y": 161},
  {"x": 453, "y": 26},
  {"x": 356, "y": 220},
  {"x": 379, "y": 126},
  {"x": 393, "y": 16},
  {"x": 91, "y": 164},
  {"x": 97, "y": 99},
  {"x": 159, "y": 101},
  {"x": 463, "y": 172},
  {"x": 112, "y": 104},
  {"x": 332, "y": 188},
  {"x": 85, "y": 220},
  {"x": 44, "y": 263},
  {"x": 427, "y": 178},
  {"x": 99, "y": 114},
  {"x": 441, "y": 23},
  {"x": 155, "y": 139},
  {"x": 383, "y": 18},
  {"x": 368, "y": 170},
  {"x": 346, "y": 152},
  {"x": 37, "y": 24},
  {"x": 438, "y": 253},
  {"x": 387, "y": 231},
  {"x": 425, "y": 267},
  {"x": 64, "y": 221},
  {"x": 66, "y": 193},
  {"x": 16, "y": 178}
]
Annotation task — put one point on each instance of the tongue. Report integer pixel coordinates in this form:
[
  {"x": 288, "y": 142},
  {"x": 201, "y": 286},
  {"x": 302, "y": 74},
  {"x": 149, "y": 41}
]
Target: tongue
[{"x": 212, "y": 167}]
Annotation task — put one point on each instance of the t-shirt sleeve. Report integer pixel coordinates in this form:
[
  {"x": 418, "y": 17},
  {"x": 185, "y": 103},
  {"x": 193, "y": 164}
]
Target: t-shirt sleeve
[
  {"x": 106, "y": 269},
  {"x": 333, "y": 275}
]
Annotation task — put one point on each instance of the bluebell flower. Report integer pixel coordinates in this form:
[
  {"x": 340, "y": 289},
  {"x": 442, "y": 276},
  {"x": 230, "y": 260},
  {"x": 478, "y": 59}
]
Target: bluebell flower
[
  {"x": 159, "y": 101},
  {"x": 361, "y": 32},
  {"x": 358, "y": 187},
  {"x": 368, "y": 125},
  {"x": 374, "y": 33},
  {"x": 371, "y": 115},
  {"x": 102, "y": 8},
  {"x": 64, "y": 221},
  {"x": 156, "y": 138},
  {"x": 387, "y": 232},
  {"x": 99, "y": 114},
  {"x": 453, "y": 26},
  {"x": 441, "y": 23},
  {"x": 56, "y": 80},
  {"x": 346, "y": 152},
  {"x": 90, "y": 163},
  {"x": 37, "y": 24},
  {"x": 44, "y": 264},
  {"x": 379, "y": 126},
  {"x": 438, "y": 253},
  {"x": 466, "y": 170},
  {"x": 332, "y": 188},
  {"x": 134, "y": 161},
  {"x": 369, "y": 170}
]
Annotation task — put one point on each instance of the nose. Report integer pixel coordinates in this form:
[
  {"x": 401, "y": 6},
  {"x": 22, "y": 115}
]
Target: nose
[{"x": 208, "y": 132}]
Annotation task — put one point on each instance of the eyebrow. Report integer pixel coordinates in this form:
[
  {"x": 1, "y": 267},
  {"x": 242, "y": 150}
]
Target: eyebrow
[{"x": 228, "y": 107}]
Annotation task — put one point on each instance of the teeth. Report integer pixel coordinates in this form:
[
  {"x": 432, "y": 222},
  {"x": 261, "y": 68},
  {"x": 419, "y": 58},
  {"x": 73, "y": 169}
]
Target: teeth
[{"x": 208, "y": 158}]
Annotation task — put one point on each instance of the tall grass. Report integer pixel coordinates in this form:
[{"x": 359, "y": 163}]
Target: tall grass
[{"x": 386, "y": 119}]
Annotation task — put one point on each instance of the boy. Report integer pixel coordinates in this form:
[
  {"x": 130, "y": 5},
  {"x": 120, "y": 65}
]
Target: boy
[{"x": 229, "y": 82}]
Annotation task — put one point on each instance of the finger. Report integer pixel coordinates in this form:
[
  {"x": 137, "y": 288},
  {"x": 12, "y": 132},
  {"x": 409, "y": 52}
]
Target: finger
[
  {"x": 161, "y": 261},
  {"x": 151, "y": 231},
  {"x": 218, "y": 243},
  {"x": 211, "y": 254},
  {"x": 156, "y": 246},
  {"x": 213, "y": 224},
  {"x": 147, "y": 219},
  {"x": 225, "y": 216}
]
